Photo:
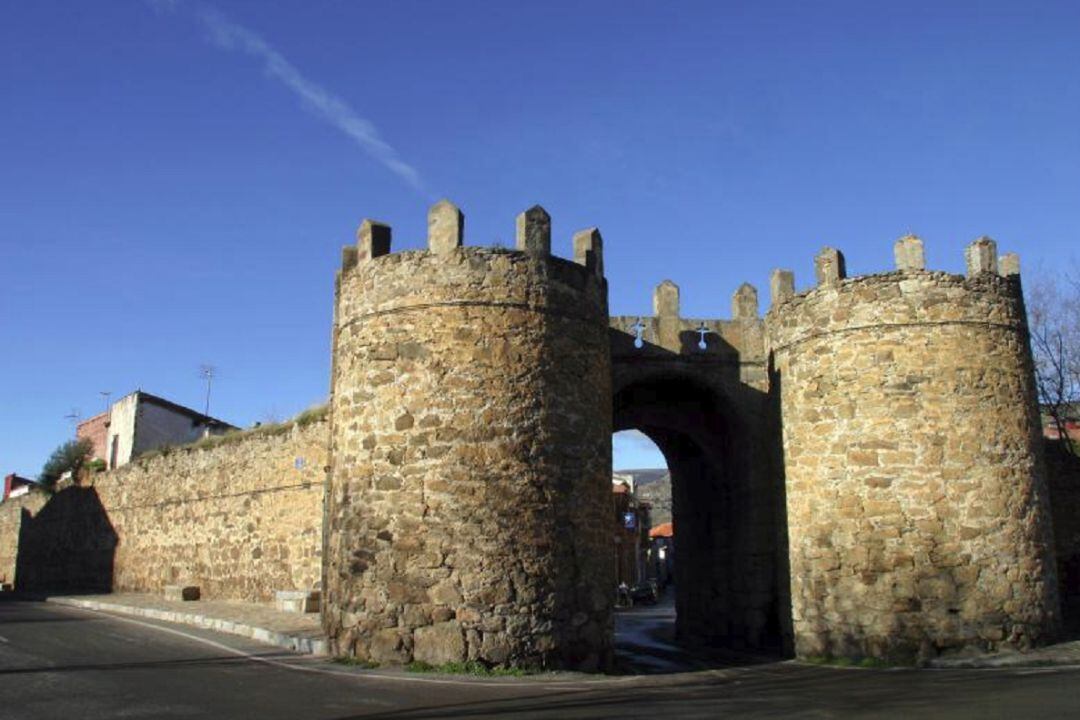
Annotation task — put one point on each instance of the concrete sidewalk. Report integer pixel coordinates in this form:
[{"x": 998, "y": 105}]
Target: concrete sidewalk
[
  {"x": 258, "y": 621},
  {"x": 1062, "y": 653}
]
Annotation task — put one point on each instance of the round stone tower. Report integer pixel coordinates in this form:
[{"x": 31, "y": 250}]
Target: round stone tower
[
  {"x": 468, "y": 509},
  {"x": 915, "y": 493}
]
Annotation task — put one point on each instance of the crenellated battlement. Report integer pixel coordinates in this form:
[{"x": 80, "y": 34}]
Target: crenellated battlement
[
  {"x": 446, "y": 237},
  {"x": 739, "y": 338},
  {"x": 830, "y": 267},
  {"x": 742, "y": 335},
  {"x": 989, "y": 292}
]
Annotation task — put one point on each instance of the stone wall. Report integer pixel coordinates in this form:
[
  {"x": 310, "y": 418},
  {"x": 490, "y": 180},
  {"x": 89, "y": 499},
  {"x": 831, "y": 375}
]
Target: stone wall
[
  {"x": 469, "y": 505},
  {"x": 240, "y": 516},
  {"x": 12, "y": 512},
  {"x": 916, "y": 497},
  {"x": 455, "y": 505}
]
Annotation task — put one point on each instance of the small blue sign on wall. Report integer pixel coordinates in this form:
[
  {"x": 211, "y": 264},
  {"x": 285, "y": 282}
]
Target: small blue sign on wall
[
  {"x": 629, "y": 520},
  {"x": 299, "y": 463}
]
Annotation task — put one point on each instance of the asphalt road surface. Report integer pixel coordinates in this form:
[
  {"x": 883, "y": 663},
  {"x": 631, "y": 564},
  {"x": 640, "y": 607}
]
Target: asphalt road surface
[{"x": 58, "y": 662}]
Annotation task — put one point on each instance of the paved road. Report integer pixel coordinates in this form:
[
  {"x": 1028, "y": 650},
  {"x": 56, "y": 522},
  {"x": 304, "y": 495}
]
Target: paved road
[{"x": 66, "y": 663}]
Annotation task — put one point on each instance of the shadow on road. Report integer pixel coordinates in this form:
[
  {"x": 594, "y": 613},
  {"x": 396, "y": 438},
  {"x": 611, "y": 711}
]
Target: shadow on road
[{"x": 645, "y": 644}]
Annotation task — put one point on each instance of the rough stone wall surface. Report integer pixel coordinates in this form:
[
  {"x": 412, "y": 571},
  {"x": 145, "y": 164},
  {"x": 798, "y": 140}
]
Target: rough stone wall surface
[
  {"x": 916, "y": 497},
  {"x": 469, "y": 503},
  {"x": 12, "y": 511},
  {"x": 240, "y": 519}
]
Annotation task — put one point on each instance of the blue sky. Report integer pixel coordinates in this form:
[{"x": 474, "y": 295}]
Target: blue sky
[{"x": 177, "y": 178}]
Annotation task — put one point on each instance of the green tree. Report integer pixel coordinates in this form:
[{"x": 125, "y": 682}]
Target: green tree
[{"x": 72, "y": 455}]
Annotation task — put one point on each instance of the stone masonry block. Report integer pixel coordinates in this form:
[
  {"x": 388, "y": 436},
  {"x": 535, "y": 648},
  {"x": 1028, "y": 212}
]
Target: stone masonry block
[
  {"x": 534, "y": 231},
  {"x": 372, "y": 240},
  {"x": 1009, "y": 264},
  {"x": 589, "y": 250},
  {"x": 446, "y": 227},
  {"x": 439, "y": 644},
  {"x": 182, "y": 592},
  {"x": 297, "y": 601},
  {"x": 981, "y": 256},
  {"x": 349, "y": 257},
  {"x": 666, "y": 300},
  {"x": 744, "y": 303},
  {"x": 909, "y": 253},
  {"x": 781, "y": 286},
  {"x": 829, "y": 267}
]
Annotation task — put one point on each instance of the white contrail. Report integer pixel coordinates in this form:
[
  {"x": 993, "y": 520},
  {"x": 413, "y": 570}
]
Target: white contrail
[{"x": 228, "y": 35}]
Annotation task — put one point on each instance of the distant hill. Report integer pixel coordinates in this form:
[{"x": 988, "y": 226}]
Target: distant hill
[{"x": 653, "y": 485}]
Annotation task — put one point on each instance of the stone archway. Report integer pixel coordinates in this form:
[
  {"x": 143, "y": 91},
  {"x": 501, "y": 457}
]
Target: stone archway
[
  {"x": 702, "y": 391},
  {"x": 725, "y": 592}
]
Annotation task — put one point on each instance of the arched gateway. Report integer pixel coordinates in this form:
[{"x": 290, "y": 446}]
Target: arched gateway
[
  {"x": 699, "y": 389},
  {"x": 855, "y": 474}
]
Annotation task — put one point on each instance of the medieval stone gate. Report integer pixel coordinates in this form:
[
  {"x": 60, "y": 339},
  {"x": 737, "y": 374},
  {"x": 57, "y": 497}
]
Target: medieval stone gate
[
  {"x": 699, "y": 389},
  {"x": 858, "y": 473}
]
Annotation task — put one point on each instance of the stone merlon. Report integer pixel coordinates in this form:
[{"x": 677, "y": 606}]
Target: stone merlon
[
  {"x": 666, "y": 300},
  {"x": 446, "y": 227},
  {"x": 829, "y": 267},
  {"x": 909, "y": 254},
  {"x": 372, "y": 240},
  {"x": 534, "y": 231},
  {"x": 589, "y": 250},
  {"x": 981, "y": 256},
  {"x": 781, "y": 286}
]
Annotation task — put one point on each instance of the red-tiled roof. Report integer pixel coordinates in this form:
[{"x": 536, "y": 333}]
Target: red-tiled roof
[{"x": 664, "y": 530}]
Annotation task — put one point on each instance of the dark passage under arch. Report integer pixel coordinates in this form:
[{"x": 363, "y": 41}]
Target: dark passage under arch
[{"x": 727, "y": 513}]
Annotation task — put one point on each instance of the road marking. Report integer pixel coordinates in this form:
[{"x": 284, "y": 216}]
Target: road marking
[
  {"x": 556, "y": 685},
  {"x": 3, "y": 639}
]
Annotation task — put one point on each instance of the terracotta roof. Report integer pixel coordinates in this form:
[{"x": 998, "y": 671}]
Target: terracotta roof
[
  {"x": 619, "y": 488},
  {"x": 664, "y": 530}
]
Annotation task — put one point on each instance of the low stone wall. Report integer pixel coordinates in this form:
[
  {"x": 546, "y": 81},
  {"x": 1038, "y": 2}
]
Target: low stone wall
[{"x": 240, "y": 517}]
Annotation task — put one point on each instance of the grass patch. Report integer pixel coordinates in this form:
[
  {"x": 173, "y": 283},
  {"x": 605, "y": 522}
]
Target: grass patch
[
  {"x": 864, "y": 662},
  {"x": 310, "y": 416},
  {"x": 355, "y": 662},
  {"x": 471, "y": 667}
]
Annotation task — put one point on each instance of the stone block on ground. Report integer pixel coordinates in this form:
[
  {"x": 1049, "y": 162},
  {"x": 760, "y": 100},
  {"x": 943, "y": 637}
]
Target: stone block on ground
[
  {"x": 182, "y": 592},
  {"x": 297, "y": 601}
]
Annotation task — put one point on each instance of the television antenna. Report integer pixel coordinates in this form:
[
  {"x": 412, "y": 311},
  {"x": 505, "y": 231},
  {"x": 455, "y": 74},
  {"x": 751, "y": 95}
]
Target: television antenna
[{"x": 206, "y": 372}]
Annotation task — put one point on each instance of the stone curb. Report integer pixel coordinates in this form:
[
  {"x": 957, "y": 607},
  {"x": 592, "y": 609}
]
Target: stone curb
[
  {"x": 296, "y": 643},
  {"x": 998, "y": 662}
]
